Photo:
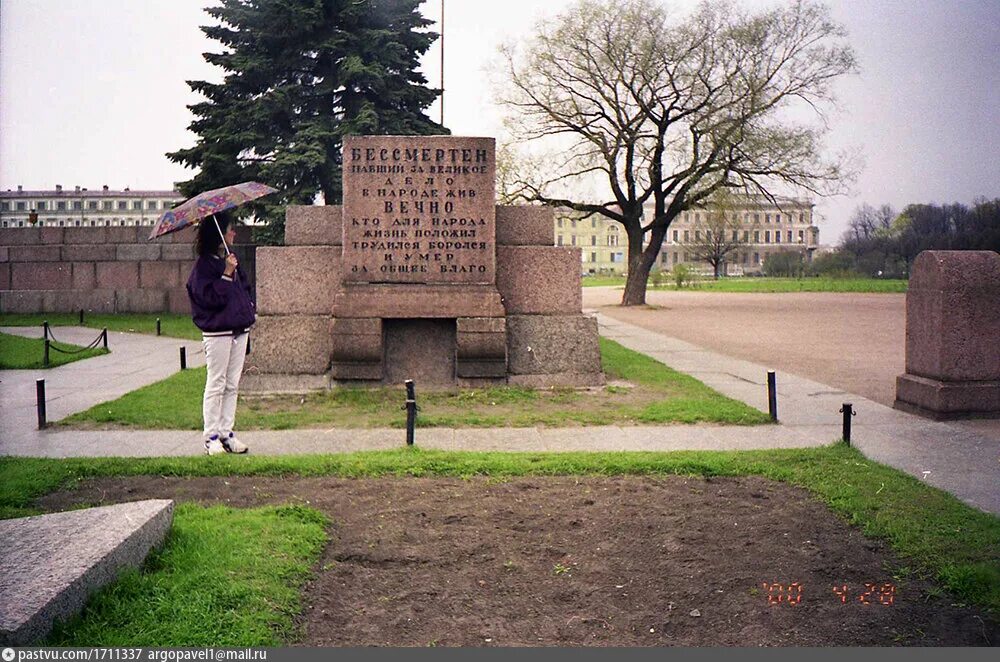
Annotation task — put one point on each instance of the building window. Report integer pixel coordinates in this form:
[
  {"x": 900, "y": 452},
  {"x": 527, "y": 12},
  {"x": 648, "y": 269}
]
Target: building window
[
  {"x": 746, "y": 236},
  {"x": 675, "y": 236},
  {"x": 61, "y": 205},
  {"x": 558, "y": 223},
  {"x": 152, "y": 205},
  {"x": 801, "y": 236},
  {"x": 736, "y": 235},
  {"x": 684, "y": 257},
  {"x": 756, "y": 236},
  {"x": 5, "y": 223},
  {"x": 767, "y": 218},
  {"x": 612, "y": 240},
  {"x": 92, "y": 204},
  {"x": 593, "y": 257},
  {"x": 77, "y": 206},
  {"x": 675, "y": 258},
  {"x": 559, "y": 241},
  {"x": 77, "y": 223},
  {"x": 593, "y": 222},
  {"x": 5, "y": 206},
  {"x": 593, "y": 240},
  {"x": 62, "y": 223},
  {"x": 789, "y": 236},
  {"x": 41, "y": 205},
  {"x": 777, "y": 236},
  {"x": 137, "y": 205},
  {"x": 756, "y": 258},
  {"x": 20, "y": 207},
  {"x": 697, "y": 235},
  {"x": 756, "y": 218},
  {"x": 93, "y": 223},
  {"x": 801, "y": 217},
  {"x": 572, "y": 224},
  {"x": 687, "y": 236},
  {"x": 572, "y": 240},
  {"x": 107, "y": 223},
  {"x": 767, "y": 236},
  {"x": 123, "y": 204},
  {"x": 663, "y": 258},
  {"x": 697, "y": 218},
  {"x": 777, "y": 218},
  {"x": 108, "y": 205}
]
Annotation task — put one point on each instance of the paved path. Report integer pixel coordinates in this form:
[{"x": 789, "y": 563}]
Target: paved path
[{"x": 947, "y": 456}]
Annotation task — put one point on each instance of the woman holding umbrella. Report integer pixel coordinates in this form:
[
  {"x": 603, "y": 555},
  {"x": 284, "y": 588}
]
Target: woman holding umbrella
[
  {"x": 223, "y": 309},
  {"x": 221, "y": 303}
]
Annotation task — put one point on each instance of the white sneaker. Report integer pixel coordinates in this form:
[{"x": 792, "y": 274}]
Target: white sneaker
[
  {"x": 234, "y": 445},
  {"x": 213, "y": 446}
]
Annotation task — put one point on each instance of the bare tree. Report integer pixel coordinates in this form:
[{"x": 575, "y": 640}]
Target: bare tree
[
  {"x": 719, "y": 235},
  {"x": 667, "y": 112}
]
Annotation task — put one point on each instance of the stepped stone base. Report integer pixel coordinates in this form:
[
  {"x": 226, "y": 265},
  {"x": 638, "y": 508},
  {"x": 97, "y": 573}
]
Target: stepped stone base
[
  {"x": 943, "y": 401},
  {"x": 51, "y": 564}
]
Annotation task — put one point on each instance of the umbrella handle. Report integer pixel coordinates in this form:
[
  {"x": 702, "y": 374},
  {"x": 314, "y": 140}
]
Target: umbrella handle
[{"x": 217, "y": 227}]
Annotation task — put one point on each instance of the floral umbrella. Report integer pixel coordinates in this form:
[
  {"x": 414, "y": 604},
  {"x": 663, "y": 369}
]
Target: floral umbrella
[{"x": 203, "y": 205}]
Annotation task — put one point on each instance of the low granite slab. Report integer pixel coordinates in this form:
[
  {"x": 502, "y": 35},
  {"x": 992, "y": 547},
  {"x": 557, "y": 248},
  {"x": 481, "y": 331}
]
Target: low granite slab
[{"x": 51, "y": 564}]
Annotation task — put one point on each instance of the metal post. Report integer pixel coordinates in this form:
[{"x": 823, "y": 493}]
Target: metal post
[
  {"x": 81, "y": 317},
  {"x": 104, "y": 337},
  {"x": 411, "y": 411},
  {"x": 184, "y": 359},
  {"x": 45, "y": 329},
  {"x": 40, "y": 400},
  {"x": 157, "y": 326},
  {"x": 772, "y": 396},
  {"x": 45, "y": 361},
  {"x": 848, "y": 412}
]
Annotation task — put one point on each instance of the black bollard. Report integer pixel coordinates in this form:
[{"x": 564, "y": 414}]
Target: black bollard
[
  {"x": 45, "y": 361},
  {"x": 848, "y": 412},
  {"x": 81, "y": 317},
  {"x": 772, "y": 396},
  {"x": 184, "y": 358},
  {"x": 157, "y": 326},
  {"x": 40, "y": 402},
  {"x": 411, "y": 411},
  {"x": 45, "y": 329},
  {"x": 104, "y": 337}
]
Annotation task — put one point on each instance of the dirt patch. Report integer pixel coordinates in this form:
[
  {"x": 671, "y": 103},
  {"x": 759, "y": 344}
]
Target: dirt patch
[{"x": 624, "y": 561}]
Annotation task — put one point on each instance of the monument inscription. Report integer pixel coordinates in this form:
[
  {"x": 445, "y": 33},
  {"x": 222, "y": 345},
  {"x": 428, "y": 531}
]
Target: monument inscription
[{"x": 419, "y": 209}]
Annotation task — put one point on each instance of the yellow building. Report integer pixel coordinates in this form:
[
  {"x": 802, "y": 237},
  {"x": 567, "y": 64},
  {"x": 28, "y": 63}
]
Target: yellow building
[{"x": 602, "y": 242}]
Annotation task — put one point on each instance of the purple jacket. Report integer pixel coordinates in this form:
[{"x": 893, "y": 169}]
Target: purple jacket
[{"x": 219, "y": 303}]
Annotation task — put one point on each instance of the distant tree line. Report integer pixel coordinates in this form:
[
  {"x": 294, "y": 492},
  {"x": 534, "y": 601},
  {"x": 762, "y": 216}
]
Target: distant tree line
[{"x": 881, "y": 243}]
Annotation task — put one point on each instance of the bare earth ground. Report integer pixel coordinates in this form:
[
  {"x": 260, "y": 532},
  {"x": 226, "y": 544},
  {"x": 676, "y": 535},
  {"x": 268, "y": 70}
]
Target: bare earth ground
[
  {"x": 855, "y": 342},
  {"x": 624, "y": 561}
]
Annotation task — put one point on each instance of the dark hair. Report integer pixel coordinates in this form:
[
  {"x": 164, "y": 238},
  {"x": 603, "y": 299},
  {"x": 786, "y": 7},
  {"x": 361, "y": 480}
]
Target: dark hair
[{"x": 209, "y": 239}]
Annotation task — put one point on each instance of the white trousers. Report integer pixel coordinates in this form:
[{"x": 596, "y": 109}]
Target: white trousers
[{"x": 224, "y": 356}]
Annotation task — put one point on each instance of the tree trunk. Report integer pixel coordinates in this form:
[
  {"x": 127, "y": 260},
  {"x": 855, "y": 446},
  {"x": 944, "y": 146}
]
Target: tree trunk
[{"x": 640, "y": 262}]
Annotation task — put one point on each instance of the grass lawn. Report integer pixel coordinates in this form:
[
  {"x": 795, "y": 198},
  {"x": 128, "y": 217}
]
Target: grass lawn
[
  {"x": 225, "y": 577},
  {"x": 656, "y": 394},
  {"x": 771, "y": 285},
  {"x": 935, "y": 535},
  {"x": 17, "y": 353},
  {"x": 173, "y": 325}
]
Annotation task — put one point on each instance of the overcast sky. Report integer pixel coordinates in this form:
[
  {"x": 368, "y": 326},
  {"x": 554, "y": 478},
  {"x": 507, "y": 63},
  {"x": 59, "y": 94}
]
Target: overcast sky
[{"x": 92, "y": 92}]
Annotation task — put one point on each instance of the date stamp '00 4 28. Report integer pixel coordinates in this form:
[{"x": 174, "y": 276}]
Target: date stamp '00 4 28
[{"x": 791, "y": 594}]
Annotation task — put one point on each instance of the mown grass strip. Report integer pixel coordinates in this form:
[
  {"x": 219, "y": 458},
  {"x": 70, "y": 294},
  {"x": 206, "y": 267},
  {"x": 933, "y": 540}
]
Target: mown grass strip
[
  {"x": 225, "y": 577},
  {"x": 934, "y": 534},
  {"x": 18, "y": 353},
  {"x": 657, "y": 395},
  {"x": 171, "y": 324}
]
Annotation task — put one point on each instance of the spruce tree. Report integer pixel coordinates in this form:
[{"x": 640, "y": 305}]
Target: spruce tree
[{"x": 300, "y": 75}]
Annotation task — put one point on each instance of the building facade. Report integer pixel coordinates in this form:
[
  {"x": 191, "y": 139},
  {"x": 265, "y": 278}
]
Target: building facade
[
  {"x": 83, "y": 208},
  {"x": 764, "y": 228}
]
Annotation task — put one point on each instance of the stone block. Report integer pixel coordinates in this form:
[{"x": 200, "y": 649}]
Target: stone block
[
  {"x": 552, "y": 344},
  {"x": 420, "y": 349},
  {"x": 356, "y": 350},
  {"x": 52, "y": 235},
  {"x": 525, "y": 225},
  {"x": 34, "y": 254},
  {"x": 481, "y": 347},
  {"x": 137, "y": 252},
  {"x": 297, "y": 279},
  {"x": 21, "y": 301},
  {"x": 482, "y": 325},
  {"x": 290, "y": 344},
  {"x": 417, "y": 301},
  {"x": 84, "y": 275},
  {"x": 125, "y": 234},
  {"x": 942, "y": 400},
  {"x": 117, "y": 275},
  {"x": 557, "y": 380},
  {"x": 4, "y": 276},
  {"x": 313, "y": 225},
  {"x": 20, "y": 236},
  {"x": 85, "y": 235},
  {"x": 4, "y": 254},
  {"x": 51, "y": 564},
  {"x": 265, "y": 383},
  {"x": 141, "y": 301},
  {"x": 539, "y": 279},
  {"x": 953, "y": 316},
  {"x": 92, "y": 252},
  {"x": 70, "y": 301},
  {"x": 178, "y": 301},
  {"x": 41, "y": 276},
  {"x": 165, "y": 274},
  {"x": 177, "y": 252}
]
